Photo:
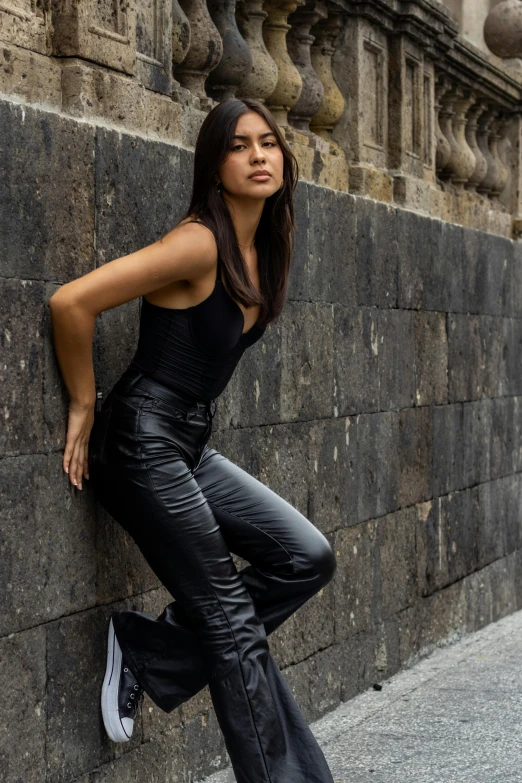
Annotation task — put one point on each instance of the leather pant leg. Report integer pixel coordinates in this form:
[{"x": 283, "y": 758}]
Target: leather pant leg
[{"x": 187, "y": 507}]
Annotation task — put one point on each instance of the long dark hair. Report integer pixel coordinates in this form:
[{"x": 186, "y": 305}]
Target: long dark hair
[{"x": 274, "y": 239}]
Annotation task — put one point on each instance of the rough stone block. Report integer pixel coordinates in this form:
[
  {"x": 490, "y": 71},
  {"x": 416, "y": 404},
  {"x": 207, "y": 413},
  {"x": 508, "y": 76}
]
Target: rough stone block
[
  {"x": 517, "y": 280},
  {"x": 254, "y": 391},
  {"x": 306, "y": 361},
  {"x": 272, "y": 454},
  {"x": 121, "y": 569},
  {"x": 492, "y": 524},
  {"x": 22, "y": 311},
  {"x": 356, "y": 367},
  {"x": 316, "y": 683},
  {"x": 477, "y": 425},
  {"x": 415, "y": 455},
  {"x": 431, "y": 358},
  {"x": 299, "y": 279},
  {"x": 46, "y": 543},
  {"x": 490, "y": 370},
  {"x": 446, "y": 540},
  {"x": 395, "y": 348},
  {"x": 23, "y": 681},
  {"x": 331, "y": 245},
  {"x": 356, "y": 593},
  {"x": 503, "y": 449},
  {"x": 448, "y": 454},
  {"x": 396, "y": 535},
  {"x": 465, "y": 367},
  {"x": 44, "y": 236},
  {"x": 309, "y": 629},
  {"x": 333, "y": 473},
  {"x": 369, "y": 657},
  {"x": 487, "y": 287},
  {"x": 139, "y": 192},
  {"x": 510, "y": 366},
  {"x": 426, "y": 277},
  {"x": 377, "y": 250},
  {"x": 377, "y": 446}
]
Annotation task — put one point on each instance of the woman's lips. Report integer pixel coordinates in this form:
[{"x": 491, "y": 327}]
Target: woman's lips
[{"x": 261, "y": 177}]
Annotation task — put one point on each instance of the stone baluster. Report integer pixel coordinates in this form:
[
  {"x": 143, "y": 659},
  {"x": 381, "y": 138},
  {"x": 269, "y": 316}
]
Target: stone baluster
[
  {"x": 446, "y": 115},
  {"x": 261, "y": 80},
  {"x": 481, "y": 164},
  {"x": 483, "y": 133},
  {"x": 299, "y": 42},
  {"x": 331, "y": 109},
  {"x": 443, "y": 152},
  {"x": 181, "y": 38},
  {"x": 463, "y": 165},
  {"x": 498, "y": 130},
  {"x": 289, "y": 84},
  {"x": 236, "y": 61},
  {"x": 204, "y": 53}
]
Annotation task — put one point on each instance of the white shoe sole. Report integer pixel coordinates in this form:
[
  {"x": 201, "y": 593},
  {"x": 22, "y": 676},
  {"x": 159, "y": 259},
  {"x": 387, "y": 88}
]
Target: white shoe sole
[{"x": 109, "y": 694}]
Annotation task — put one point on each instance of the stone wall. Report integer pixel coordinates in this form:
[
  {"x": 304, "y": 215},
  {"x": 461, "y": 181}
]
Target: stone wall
[{"x": 385, "y": 404}]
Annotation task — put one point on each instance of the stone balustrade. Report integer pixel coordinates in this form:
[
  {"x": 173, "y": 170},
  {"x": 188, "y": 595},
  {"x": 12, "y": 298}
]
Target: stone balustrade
[{"x": 383, "y": 99}]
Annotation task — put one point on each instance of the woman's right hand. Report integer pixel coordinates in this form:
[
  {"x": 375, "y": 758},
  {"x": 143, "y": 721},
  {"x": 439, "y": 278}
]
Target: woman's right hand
[{"x": 79, "y": 426}]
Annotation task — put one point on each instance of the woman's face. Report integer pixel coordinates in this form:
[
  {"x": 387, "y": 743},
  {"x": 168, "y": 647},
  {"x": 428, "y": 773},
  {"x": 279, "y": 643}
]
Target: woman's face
[{"x": 253, "y": 147}]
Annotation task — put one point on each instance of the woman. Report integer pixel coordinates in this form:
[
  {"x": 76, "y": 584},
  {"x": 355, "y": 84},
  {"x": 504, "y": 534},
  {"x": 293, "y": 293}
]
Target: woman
[{"x": 209, "y": 288}]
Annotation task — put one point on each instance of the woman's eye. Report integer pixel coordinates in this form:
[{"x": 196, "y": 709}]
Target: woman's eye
[{"x": 236, "y": 146}]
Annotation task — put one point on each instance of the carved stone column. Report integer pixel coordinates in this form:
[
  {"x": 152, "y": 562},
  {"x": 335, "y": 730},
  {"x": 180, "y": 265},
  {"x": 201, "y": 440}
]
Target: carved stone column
[
  {"x": 481, "y": 164},
  {"x": 206, "y": 48},
  {"x": 261, "y": 80},
  {"x": 299, "y": 42},
  {"x": 181, "y": 37},
  {"x": 236, "y": 61},
  {"x": 289, "y": 84},
  {"x": 332, "y": 105},
  {"x": 443, "y": 153}
]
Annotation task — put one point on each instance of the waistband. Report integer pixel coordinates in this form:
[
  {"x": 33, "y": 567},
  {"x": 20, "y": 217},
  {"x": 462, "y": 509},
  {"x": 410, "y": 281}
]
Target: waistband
[{"x": 132, "y": 378}]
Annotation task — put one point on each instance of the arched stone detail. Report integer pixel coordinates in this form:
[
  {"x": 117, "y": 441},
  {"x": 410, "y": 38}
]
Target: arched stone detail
[
  {"x": 299, "y": 42},
  {"x": 236, "y": 60},
  {"x": 289, "y": 84},
  {"x": 206, "y": 48},
  {"x": 261, "y": 80},
  {"x": 326, "y": 32}
]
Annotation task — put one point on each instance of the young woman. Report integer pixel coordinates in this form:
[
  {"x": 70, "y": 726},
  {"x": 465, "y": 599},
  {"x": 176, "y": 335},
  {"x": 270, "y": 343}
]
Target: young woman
[{"x": 208, "y": 290}]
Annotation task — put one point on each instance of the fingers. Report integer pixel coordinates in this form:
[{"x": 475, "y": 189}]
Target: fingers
[
  {"x": 86, "y": 461},
  {"x": 74, "y": 462}
]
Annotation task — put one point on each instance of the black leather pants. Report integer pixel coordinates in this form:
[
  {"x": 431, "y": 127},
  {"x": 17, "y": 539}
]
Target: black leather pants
[{"x": 187, "y": 507}]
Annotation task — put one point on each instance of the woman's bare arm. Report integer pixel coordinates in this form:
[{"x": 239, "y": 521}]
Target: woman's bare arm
[{"x": 187, "y": 252}]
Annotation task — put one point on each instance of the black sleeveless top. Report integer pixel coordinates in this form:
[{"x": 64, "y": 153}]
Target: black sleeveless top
[{"x": 194, "y": 350}]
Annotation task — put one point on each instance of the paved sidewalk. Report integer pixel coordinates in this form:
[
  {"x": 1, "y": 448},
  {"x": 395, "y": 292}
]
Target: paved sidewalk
[{"x": 455, "y": 717}]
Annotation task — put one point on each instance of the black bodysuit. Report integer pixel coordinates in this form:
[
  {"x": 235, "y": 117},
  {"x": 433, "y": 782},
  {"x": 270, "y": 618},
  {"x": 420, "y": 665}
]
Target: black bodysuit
[{"x": 194, "y": 350}]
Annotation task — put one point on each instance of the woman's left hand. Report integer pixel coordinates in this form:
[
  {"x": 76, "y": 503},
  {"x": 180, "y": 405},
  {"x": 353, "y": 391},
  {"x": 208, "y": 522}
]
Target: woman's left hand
[{"x": 75, "y": 458}]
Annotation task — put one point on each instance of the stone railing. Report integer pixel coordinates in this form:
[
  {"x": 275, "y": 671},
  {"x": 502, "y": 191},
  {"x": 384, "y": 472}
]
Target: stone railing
[{"x": 378, "y": 97}]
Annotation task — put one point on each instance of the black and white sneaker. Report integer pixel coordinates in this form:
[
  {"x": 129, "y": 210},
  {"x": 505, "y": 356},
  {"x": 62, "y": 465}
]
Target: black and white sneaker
[{"x": 120, "y": 693}]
